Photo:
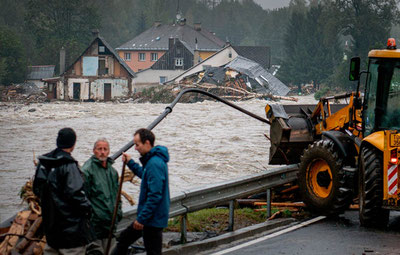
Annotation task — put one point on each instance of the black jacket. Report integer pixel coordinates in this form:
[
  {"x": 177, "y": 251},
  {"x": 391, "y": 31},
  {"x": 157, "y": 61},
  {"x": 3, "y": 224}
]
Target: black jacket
[{"x": 65, "y": 209}]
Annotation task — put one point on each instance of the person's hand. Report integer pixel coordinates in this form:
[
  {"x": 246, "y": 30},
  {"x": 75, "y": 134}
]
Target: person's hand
[
  {"x": 137, "y": 225},
  {"x": 125, "y": 157}
]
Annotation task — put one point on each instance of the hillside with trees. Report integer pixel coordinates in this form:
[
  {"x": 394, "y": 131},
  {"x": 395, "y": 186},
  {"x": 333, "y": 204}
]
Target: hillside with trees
[{"x": 312, "y": 40}]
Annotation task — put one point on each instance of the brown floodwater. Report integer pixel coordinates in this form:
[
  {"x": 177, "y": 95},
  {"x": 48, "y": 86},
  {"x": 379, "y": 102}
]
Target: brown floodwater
[{"x": 208, "y": 142}]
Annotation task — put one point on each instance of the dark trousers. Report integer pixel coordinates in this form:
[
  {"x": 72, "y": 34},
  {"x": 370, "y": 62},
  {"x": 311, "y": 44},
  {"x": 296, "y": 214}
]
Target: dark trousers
[{"x": 152, "y": 238}]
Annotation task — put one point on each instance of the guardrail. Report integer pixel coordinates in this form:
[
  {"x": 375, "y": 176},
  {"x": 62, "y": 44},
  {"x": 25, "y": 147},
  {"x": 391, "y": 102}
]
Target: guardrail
[{"x": 205, "y": 197}]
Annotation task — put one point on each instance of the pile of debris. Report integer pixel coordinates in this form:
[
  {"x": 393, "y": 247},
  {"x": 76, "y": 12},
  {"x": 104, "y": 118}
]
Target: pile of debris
[
  {"x": 240, "y": 79},
  {"x": 23, "y": 93}
]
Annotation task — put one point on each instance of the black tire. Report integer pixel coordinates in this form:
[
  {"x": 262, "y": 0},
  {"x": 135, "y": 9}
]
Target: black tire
[
  {"x": 321, "y": 179},
  {"x": 370, "y": 186}
]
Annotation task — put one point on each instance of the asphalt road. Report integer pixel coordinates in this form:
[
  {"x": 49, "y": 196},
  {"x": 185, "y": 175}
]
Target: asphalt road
[{"x": 343, "y": 235}]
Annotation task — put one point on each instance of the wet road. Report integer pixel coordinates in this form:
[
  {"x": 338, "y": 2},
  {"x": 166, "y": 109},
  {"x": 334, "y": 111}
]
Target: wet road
[{"x": 331, "y": 236}]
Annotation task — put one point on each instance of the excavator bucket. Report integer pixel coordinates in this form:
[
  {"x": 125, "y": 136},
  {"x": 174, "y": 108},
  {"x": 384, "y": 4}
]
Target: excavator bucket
[{"x": 291, "y": 131}]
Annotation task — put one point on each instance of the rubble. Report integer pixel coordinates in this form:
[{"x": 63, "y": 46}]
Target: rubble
[
  {"x": 240, "y": 79},
  {"x": 25, "y": 93}
]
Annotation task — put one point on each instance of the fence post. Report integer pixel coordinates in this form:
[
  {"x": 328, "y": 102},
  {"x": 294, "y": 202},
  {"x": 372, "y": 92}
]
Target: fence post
[
  {"x": 268, "y": 203},
  {"x": 231, "y": 215},
  {"x": 183, "y": 229}
]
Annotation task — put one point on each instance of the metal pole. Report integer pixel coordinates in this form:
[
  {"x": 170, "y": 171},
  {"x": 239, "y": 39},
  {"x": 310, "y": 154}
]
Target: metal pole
[
  {"x": 118, "y": 198},
  {"x": 231, "y": 215},
  {"x": 268, "y": 203},
  {"x": 183, "y": 229}
]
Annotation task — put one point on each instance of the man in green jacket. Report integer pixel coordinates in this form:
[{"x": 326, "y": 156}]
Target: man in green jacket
[{"x": 101, "y": 181}]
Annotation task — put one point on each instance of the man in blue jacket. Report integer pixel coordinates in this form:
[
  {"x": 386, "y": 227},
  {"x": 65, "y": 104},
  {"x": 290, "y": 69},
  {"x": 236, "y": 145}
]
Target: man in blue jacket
[{"x": 153, "y": 208}]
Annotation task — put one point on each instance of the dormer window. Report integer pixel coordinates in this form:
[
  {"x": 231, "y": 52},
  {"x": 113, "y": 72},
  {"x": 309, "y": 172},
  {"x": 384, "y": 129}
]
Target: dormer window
[
  {"x": 179, "y": 62},
  {"x": 102, "y": 49}
]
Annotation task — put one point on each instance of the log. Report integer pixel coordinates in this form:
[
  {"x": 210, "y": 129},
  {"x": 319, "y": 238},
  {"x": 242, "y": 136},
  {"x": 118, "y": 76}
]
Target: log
[
  {"x": 38, "y": 250},
  {"x": 291, "y": 209},
  {"x": 128, "y": 197},
  {"x": 16, "y": 229},
  {"x": 249, "y": 201},
  {"x": 281, "y": 204},
  {"x": 290, "y": 189},
  {"x": 275, "y": 215},
  {"x": 30, "y": 234},
  {"x": 354, "y": 207}
]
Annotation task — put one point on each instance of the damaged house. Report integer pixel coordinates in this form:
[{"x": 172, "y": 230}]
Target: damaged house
[
  {"x": 36, "y": 74},
  {"x": 97, "y": 74},
  {"x": 236, "y": 67}
]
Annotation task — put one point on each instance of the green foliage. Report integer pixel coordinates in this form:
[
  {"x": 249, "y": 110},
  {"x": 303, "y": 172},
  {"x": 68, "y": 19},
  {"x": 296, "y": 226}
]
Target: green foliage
[
  {"x": 321, "y": 93},
  {"x": 55, "y": 24},
  {"x": 158, "y": 95},
  {"x": 367, "y": 22},
  {"x": 216, "y": 219},
  {"x": 12, "y": 58},
  {"x": 312, "y": 49}
]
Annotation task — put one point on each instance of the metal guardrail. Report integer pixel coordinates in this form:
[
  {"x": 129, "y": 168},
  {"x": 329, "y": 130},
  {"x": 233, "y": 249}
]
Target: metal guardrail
[{"x": 205, "y": 197}]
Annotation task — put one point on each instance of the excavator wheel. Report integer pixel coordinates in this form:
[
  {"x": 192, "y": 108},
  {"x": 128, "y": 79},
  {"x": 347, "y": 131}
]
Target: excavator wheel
[
  {"x": 371, "y": 189},
  {"x": 321, "y": 179}
]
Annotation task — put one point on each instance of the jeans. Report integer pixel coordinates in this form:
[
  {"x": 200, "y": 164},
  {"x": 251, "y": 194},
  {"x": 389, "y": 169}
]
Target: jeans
[{"x": 152, "y": 238}]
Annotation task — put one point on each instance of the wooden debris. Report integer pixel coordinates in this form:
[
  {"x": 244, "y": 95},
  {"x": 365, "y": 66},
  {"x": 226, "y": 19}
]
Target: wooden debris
[
  {"x": 354, "y": 207},
  {"x": 239, "y": 93},
  {"x": 295, "y": 187},
  {"x": 16, "y": 229},
  {"x": 127, "y": 197},
  {"x": 30, "y": 234},
  {"x": 281, "y": 204},
  {"x": 275, "y": 215},
  {"x": 249, "y": 201}
]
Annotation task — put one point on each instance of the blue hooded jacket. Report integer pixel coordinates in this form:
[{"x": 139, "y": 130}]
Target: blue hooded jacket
[{"x": 153, "y": 208}]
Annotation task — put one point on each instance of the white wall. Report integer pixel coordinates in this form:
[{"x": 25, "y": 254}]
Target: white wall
[
  {"x": 148, "y": 78},
  {"x": 218, "y": 59},
  {"x": 153, "y": 76},
  {"x": 84, "y": 88},
  {"x": 119, "y": 87},
  {"x": 38, "y": 83}
]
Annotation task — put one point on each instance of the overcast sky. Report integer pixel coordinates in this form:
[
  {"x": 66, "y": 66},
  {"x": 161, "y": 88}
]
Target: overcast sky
[{"x": 272, "y": 4}]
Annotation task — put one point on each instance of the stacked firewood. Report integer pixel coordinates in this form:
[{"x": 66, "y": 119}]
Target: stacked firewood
[
  {"x": 284, "y": 199},
  {"x": 25, "y": 235}
]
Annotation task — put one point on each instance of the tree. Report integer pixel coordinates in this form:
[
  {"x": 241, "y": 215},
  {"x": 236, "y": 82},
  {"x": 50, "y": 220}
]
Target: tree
[
  {"x": 367, "y": 22},
  {"x": 58, "y": 23},
  {"x": 12, "y": 58},
  {"x": 312, "y": 49}
]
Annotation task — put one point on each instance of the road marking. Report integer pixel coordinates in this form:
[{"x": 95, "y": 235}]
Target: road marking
[{"x": 303, "y": 224}]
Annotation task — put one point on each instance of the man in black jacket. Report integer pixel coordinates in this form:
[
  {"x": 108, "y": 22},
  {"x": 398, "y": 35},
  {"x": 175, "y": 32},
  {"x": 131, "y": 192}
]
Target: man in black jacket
[{"x": 65, "y": 208}]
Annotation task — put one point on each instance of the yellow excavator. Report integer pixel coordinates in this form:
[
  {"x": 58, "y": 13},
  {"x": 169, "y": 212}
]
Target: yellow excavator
[{"x": 347, "y": 150}]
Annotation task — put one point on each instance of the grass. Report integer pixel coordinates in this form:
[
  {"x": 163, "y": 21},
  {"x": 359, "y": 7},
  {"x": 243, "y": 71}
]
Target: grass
[{"x": 216, "y": 219}]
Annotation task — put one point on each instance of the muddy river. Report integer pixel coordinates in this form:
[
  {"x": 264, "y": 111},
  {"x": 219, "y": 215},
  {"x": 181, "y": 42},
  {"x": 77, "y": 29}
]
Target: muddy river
[{"x": 208, "y": 142}]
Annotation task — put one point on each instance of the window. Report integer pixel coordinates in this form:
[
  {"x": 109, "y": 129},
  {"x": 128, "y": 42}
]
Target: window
[
  {"x": 103, "y": 70},
  {"x": 154, "y": 56},
  {"x": 142, "y": 56},
  {"x": 163, "y": 79},
  {"x": 179, "y": 62},
  {"x": 127, "y": 56},
  {"x": 102, "y": 49}
]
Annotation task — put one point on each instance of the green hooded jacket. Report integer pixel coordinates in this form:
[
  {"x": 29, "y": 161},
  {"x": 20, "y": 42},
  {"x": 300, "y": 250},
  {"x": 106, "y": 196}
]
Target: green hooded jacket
[{"x": 101, "y": 184}]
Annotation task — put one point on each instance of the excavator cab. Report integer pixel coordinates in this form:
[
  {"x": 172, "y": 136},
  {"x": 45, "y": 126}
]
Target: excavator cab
[{"x": 378, "y": 161}]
